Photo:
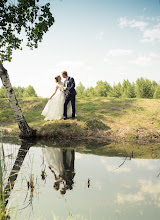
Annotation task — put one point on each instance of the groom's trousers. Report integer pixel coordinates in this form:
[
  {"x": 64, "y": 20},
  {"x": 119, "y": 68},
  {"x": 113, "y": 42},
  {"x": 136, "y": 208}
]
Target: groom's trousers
[{"x": 67, "y": 100}]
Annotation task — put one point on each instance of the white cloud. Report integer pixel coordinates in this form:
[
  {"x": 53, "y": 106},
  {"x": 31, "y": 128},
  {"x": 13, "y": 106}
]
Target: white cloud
[
  {"x": 107, "y": 60},
  {"x": 155, "y": 55},
  {"x": 157, "y": 26},
  {"x": 150, "y": 35},
  {"x": 142, "y": 61},
  {"x": 147, "y": 189},
  {"x": 122, "y": 73},
  {"x": 113, "y": 168},
  {"x": 144, "y": 163},
  {"x": 116, "y": 53},
  {"x": 118, "y": 170},
  {"x": 70, "y": 64},
  {"x": 146, "y": 60},
  {"x": 122, "y": 198},
  {"x": 124, "y": 22},
  {"x": 100, "y": 35},
  {"x": 139, "y": 24},
  {"x": 119, "y": 52},
  {"x": 90, "y": 68}
]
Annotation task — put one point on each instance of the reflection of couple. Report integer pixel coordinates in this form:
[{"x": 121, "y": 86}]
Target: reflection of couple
[
  {"x": 61, "y": 164},
  {"x": 62, "y": 105}
]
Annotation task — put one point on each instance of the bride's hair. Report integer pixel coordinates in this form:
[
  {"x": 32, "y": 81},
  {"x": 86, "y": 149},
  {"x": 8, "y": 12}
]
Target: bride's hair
[{"x": 56, "y": 78}]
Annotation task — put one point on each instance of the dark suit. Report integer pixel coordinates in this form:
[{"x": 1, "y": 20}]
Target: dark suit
[
  {"x": 70, "y": 94},
  {"x": 68, "y": 164}
]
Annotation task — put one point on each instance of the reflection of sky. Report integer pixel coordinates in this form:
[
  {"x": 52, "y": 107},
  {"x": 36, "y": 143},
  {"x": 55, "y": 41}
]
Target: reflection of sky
[
  {"x": 147, "y": 190},
  {"x": 129, "y": 191}
]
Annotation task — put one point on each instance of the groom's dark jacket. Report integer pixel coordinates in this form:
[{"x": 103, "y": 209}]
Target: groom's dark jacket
[{"x": 70, "y": 84}]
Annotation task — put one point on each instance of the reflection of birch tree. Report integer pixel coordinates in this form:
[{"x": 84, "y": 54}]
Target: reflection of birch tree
[{"x": 16, "y": 168}]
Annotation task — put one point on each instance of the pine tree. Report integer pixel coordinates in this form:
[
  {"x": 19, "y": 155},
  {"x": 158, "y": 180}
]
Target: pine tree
[
  {"x": 116, "y": 91},
  {"x": 102, "y": 88}
]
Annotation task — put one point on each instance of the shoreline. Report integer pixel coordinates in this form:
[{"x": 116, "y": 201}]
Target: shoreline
[
  {"x": 100, "y": 147},
  {"x": 86, "y": 136}
]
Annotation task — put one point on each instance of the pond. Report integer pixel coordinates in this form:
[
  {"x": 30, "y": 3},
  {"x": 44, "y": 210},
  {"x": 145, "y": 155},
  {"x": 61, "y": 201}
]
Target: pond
[{"x": 48, "y": 181}]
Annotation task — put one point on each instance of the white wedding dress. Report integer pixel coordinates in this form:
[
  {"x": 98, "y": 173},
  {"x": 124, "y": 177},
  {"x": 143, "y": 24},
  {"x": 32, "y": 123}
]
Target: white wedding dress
[
  {"x": 54, "y": 158},
  {"x": 55, "y": 106}
]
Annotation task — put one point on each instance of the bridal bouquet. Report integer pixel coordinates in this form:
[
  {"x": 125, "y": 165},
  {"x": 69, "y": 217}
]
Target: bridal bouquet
[{"x": 63, "y": 89}]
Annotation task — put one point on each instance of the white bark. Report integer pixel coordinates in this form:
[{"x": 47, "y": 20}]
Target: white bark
[{"x": 23, "y": 126}]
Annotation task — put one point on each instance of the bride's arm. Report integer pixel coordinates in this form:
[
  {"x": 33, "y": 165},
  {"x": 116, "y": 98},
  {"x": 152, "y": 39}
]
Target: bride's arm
[
  {"x": 54, "y": 92},
  {"x": 53, "y": 172}
]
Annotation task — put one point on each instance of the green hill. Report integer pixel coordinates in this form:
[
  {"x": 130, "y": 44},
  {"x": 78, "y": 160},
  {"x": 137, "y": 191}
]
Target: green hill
[{"x": 99, "y": 118}]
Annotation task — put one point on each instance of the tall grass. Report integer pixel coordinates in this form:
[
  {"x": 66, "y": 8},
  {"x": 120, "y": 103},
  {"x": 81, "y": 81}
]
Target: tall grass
[{"x": 4, "y": 213}]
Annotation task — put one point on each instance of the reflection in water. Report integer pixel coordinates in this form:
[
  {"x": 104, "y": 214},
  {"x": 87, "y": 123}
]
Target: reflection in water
[
  {"x": 16, "y": 168},
  {"x": 61, "y": 164},
  {"x": 88, "y": 182},
  {"x": 8, "y": 187},
  {"x": 103, "y": 187}
]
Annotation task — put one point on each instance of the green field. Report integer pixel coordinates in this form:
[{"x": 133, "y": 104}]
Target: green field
[{"x": 98, "y": 118}]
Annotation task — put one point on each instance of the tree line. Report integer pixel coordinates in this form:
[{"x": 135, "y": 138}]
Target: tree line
[
  {"x": 20, "y": 92},
  {"x": 142, "y": 88}
]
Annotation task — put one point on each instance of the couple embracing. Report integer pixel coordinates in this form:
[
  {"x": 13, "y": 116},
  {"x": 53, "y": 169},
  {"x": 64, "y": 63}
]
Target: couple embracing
[{"x": 61, "y": 106}]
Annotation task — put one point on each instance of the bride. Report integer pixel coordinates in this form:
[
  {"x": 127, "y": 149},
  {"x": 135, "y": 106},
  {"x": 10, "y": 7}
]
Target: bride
[{"x": 55, "y": 106}]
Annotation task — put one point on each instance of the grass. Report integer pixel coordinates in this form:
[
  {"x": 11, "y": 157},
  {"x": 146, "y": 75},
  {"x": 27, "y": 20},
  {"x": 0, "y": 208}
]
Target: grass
[
  {"x": 4, "y": 213},
  {"x": 106, "y": 118}
]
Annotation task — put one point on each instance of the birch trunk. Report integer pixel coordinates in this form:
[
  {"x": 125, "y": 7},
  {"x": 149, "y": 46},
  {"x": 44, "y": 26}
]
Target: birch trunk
[{"x": 26, "y": 131}]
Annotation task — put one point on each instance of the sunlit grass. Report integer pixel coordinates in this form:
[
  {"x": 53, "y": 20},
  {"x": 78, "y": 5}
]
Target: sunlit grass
[{"x": 114, "y": 118}]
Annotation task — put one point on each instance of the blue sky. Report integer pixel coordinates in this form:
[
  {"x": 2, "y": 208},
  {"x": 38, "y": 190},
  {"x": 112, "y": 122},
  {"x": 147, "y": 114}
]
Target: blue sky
[{"x": 109, "y": 40}]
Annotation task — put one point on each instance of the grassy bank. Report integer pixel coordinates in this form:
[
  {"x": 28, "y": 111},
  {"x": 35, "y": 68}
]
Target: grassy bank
[{"x": 99, "y": 118}]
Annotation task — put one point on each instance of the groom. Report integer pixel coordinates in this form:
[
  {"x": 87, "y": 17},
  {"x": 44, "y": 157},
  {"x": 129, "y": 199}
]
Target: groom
[{"x": 69, "y": 93}]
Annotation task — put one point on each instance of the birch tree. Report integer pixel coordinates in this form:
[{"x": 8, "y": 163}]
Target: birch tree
[{"x": 34, "y": 19}]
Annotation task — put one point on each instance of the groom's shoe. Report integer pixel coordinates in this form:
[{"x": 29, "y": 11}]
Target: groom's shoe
[
  {"x": 73, "y": 118},
  {"x": 65, "y": 118}
]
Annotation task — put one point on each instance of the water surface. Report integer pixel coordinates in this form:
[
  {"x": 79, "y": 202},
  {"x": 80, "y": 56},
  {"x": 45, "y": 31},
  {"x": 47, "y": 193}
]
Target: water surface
[{"x": 90, "y": 186}]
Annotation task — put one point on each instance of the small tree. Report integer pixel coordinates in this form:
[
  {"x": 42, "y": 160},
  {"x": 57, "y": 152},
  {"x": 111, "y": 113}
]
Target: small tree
[
  {"x": 29, "y": 92},
  {"x": 80, "y": 89},
  {"x": 143, "y": 88},
  {"x": 116, "y": 91},
  {"x": 18, "y": 91},
  {"x": 89, "y": 92},
  {"x": 157, "y": 93},
  {"x": 102, "y": 88},
  {"x": 154, "y": 87},
  {"x": 128, "y": 89}
]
